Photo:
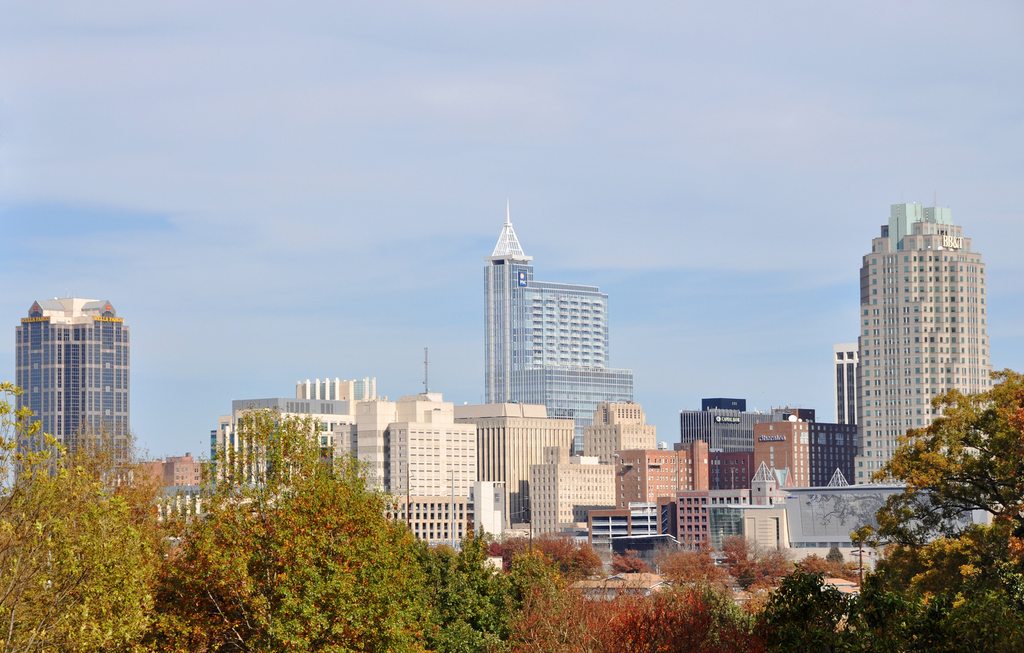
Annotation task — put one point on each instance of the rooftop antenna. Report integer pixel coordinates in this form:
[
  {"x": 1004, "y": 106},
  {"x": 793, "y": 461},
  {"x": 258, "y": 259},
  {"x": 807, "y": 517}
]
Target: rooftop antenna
[
  {"x": 508, "y": 212},
  {"x": 426, "y": 369}
]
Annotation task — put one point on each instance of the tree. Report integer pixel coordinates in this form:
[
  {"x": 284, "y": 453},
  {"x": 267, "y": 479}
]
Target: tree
[
  {"x": 77, "y": 554},
  {"x": 629, "y": 564},
  {"x": 294, "y": 553},
  {"x": 752, "y": 566},
  {"x": 573, "y": 560},
  {"x": 804, "y": 614},
  {"x": 834, "y": 555},
  {"x": 690, "y": 567},
  {"x": 828, "y": 566},
  {"x": 472, "y": 602},
  {"x": 969, "y": 458},
  {"x": 948, "y": 584}
]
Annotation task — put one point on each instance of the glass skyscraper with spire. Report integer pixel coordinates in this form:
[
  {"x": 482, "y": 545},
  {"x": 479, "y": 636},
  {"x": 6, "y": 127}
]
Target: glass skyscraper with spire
[{"x": 546, "y": 342}]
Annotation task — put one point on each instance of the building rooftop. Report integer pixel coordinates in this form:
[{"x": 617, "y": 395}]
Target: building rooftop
[{"x": 508, "y": 243}]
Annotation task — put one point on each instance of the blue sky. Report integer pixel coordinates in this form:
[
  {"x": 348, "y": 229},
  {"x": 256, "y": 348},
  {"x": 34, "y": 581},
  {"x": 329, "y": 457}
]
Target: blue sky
[{"x": 269, "y": 191}]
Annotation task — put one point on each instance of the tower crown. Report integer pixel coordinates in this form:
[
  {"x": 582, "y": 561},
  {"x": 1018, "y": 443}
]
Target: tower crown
[{"x": 508, "y": 243}]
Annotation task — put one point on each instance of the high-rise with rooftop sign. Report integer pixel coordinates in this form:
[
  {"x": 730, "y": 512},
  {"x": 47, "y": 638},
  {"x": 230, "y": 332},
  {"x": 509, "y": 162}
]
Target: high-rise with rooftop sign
[
  {"x": 73, "y": 363},
  {"x": 923, "y": 327},
  {"x": 546, "y": 342}
]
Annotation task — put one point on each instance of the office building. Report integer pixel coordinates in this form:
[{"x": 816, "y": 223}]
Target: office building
[
  {"x": 174, "y": 471},
  {"x": 509, "y": 439},
  {"x": 633, "y": 520},
  {"x": 616, "y": 427},
  {"x": 725, "y": 424},
  {"x": 564, "y": 489},
  {"x": 448, "y": 519},
  {"x": 844, "y": 389},
  {"x": 364, "y": 389},
  {"x": 232, "y": 451},
  {"x": 546, "y": 342},
  {"x": 923, "y": 327},
  {"x": 414, "y": 450},
  {"x": 684, "y": 515},
  {"x": 806, "y": 454},
  {"x": 785, "y": 448},
  {"x": 644, "y": 475},
  {"x": 832, "y": 447},
  {"x": 729, "y": 470},
  {"x": 72, "y": 359},
  {"x": 414, "y": 446}
]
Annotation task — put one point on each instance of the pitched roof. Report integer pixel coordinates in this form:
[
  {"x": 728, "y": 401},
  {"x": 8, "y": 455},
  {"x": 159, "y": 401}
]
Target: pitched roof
[
  {"x": 508, "y": 243},
  {"x": 763, "y": 474},
  {"x": 838, "y": 480}
]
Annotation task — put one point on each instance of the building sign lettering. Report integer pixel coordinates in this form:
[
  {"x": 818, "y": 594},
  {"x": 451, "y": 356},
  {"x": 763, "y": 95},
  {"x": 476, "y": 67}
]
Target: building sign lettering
[
  {"x": 727, "y": 419},
  {"x": 771, "y": 438},
  {"x": 952, "y": 242}
]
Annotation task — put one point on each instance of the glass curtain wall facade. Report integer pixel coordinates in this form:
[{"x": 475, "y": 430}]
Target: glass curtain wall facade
[
  {"x": 546, "y": 342},
  {"x": 73, "y": 363}
]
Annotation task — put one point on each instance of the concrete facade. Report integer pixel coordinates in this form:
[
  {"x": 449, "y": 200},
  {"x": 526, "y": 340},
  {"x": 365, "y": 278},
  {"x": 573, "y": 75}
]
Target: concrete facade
[
  {"x": 923, "y": 327},
  {"x": 615, "y": 427},
  {"x": 510, "y": 438},
  {"x": 414, "y": 446},
  {"x": 846, "y": 361},
  {"x": 564, "y": 489}
]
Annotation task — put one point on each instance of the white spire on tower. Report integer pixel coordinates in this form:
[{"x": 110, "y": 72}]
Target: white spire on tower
[{"x": 508, "y": 243}]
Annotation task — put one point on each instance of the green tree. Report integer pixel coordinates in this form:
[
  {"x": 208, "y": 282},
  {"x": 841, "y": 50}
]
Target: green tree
[
  {"x": 472, "y": 601},
  {"x": 804, "y": 614},
  {"x": 77, "y": 555},
  {"x": 948, "y": 584},
  {"x": 969, "y": 458},
  {"x": 294, "y": 553}
]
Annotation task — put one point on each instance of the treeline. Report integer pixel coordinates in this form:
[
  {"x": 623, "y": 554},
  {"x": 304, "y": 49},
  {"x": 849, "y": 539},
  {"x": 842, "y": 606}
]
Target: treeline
[{"x": 300, "y": 557}]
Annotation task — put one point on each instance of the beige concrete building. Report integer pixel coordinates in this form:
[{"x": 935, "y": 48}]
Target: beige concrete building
[
  {"x": 414, "y": 446},
  {"x": 331, "y": 425},
  {"x": 923, "y": 327},
  {"x": 509, "y": 439},
  {"x": 415, "y": 451},
  {"x": 446, "y": 520},
  {"x": 364, "y": 389},
  {"x": 618, "y": 426},
  {"x": 644, "y": 475},
  {"x": 564, "y": 489}
]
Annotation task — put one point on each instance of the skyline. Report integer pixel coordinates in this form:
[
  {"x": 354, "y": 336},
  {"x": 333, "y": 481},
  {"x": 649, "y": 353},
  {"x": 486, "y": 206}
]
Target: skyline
[{"x": 267, "y": 197}]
